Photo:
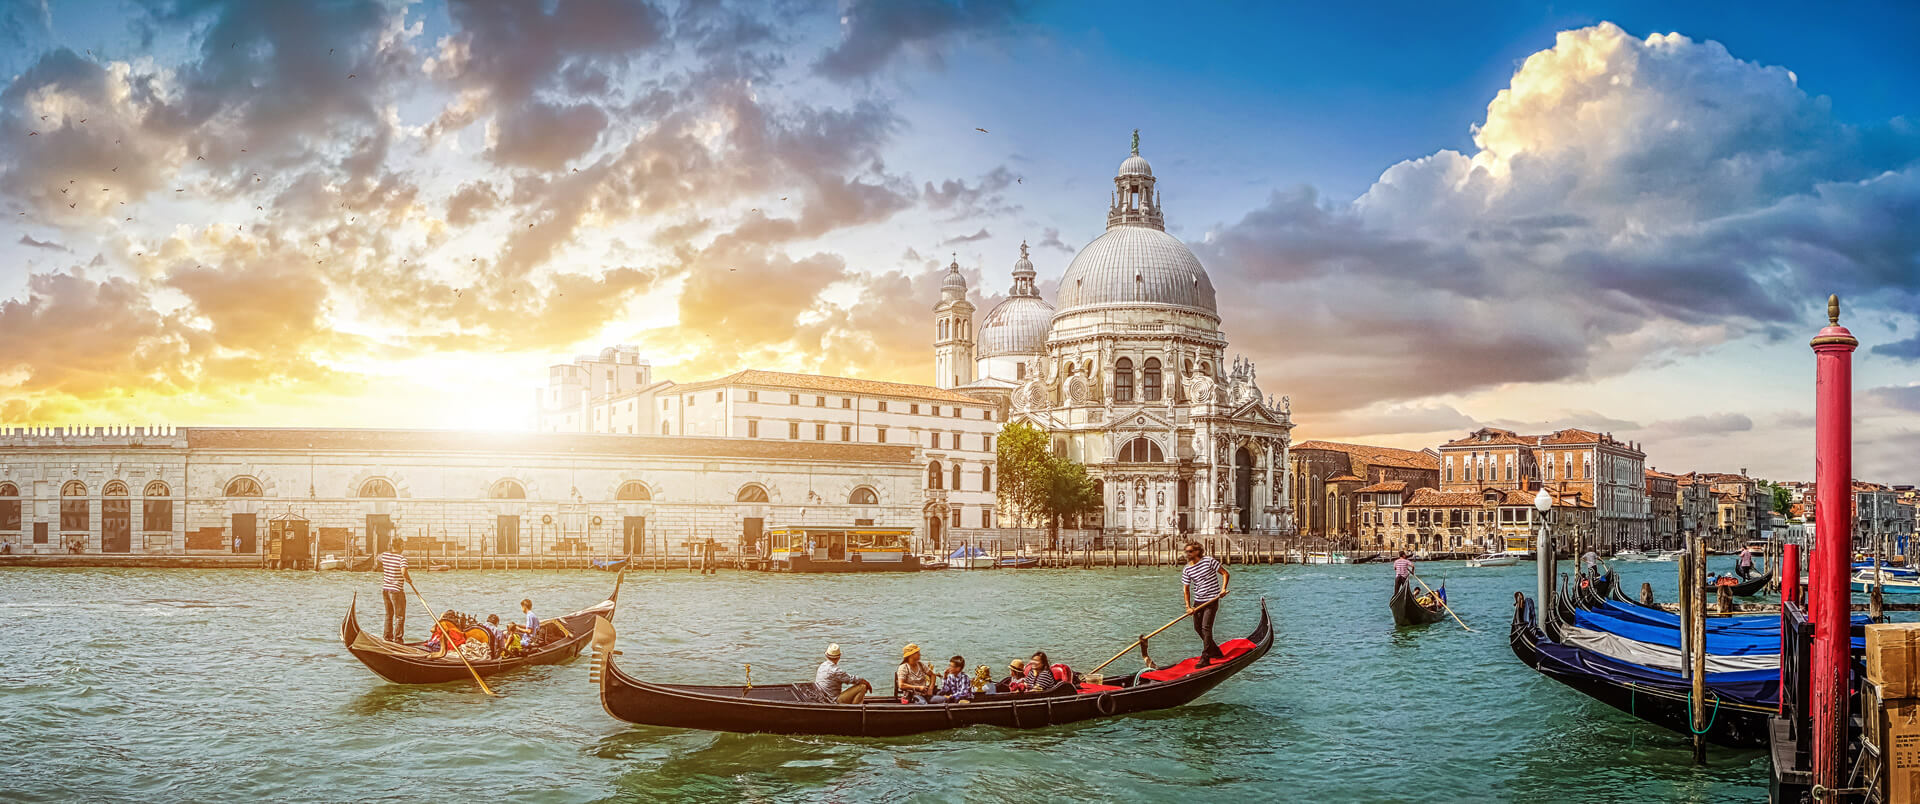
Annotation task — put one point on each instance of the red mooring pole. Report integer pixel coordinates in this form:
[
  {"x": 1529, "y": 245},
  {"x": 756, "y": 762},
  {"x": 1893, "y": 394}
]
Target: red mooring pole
[
  {"x": 1789, "y": 593},
  {"x": 1833, "y": 479}
]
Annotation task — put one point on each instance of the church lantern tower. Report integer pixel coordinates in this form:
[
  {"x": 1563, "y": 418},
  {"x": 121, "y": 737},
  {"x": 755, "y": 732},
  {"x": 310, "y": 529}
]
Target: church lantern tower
[
  {"x": 953, "y": 332},
  {"x": 1135, "y": 202}
]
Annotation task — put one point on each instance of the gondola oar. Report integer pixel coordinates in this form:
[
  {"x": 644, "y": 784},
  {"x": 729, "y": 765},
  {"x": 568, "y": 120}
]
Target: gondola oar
[
  {"x": 446, "y": 640},
  {"x": 1441, "y": 598},
  {"x": 1156, "y": 631}
]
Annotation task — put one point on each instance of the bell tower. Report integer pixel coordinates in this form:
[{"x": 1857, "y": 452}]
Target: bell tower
[{"x": 953, "y": 331}]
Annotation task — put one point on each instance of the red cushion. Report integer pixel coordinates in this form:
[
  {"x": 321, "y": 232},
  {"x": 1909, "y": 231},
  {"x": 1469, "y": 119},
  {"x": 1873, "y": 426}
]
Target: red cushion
[
  {"x": 1099, "y": 688},
  {"x": 1232, "y": 648}
]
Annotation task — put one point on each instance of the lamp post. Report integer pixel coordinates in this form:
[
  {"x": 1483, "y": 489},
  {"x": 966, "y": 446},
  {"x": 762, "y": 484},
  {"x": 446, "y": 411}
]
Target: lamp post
[{"x": 1543, "y": 549}]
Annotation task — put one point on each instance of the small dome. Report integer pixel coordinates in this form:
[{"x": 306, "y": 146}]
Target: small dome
[
  {"x": 954, "y": 280},
  {"x": 1136, "y": 266},
  {"x": 1136, "y": 165},
  {"x": 1018, "y": 325}
]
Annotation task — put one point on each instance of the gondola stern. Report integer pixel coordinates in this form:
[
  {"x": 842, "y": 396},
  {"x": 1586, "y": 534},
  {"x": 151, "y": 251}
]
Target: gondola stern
[{"x": 600, "y": 665}]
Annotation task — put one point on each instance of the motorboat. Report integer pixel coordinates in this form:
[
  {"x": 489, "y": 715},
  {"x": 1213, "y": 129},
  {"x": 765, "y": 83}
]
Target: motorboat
[
  {"x": 1666, "y": 555},
  {"x": 1864, "y": 581},
  {"x": 332, "y": 562},
  {"x": 1493, "y": 560},
  {"x": 1328, "y": 558},
  {"x": 1631, "y": 555},
  {"x": 971, "y": 557}
]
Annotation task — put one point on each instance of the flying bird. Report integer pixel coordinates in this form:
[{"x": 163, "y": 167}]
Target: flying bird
[
  {"x": 33, "y": 133},
  {"x": 83, "y": 120},
  {"x": 43, "y": 118},
  {"x": 982, "y": 130},
  {"x": 115, "y": 170},
  {"x": 199, "y": 159},
  {"x": 349, "y": 75},
  {"x": 329, "y": 51},
  {"x": 129, "y": 219},
  {"x": 72, "y": 205}
]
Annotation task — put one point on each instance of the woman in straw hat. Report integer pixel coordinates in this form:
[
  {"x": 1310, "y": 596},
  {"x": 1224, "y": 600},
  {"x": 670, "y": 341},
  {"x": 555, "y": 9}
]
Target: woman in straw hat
[{"x": 913, "y": 680}]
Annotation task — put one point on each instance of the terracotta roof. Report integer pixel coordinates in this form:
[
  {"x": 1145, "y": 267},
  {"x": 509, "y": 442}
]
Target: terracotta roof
[
  {"x": 1494, "y": 435},
  {"x": 1661, "y": 475},
  {"x": 1379, "y": 456},
  {"x": 1346, "y": 478},
  {"x": 1390, "y": 485},
  {"x": 1434, "y": 498},
  {"x": 331, "y": 440},
  {"x": 1571, "y": 435},
  {"x": 839, "y": 385}
]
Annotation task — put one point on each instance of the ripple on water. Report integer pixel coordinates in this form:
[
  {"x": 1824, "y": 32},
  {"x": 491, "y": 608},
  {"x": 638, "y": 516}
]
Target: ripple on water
[{"x": 225, "y": 684}]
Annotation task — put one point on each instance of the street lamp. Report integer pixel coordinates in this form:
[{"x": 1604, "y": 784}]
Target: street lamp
[{"x": 1543, "y": 550}]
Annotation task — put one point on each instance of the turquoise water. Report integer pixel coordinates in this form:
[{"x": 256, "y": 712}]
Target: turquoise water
[{"x": 163, "y": 685}]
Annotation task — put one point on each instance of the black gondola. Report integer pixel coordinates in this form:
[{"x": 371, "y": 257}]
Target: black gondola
[
  {"x": 786, "y": 709},
  {"x": 1747, "y": 588},
  {"x": 1657, "y": 697},
  {"x": 409, "y": 664},
  {"x": 1407, "y": 609}
]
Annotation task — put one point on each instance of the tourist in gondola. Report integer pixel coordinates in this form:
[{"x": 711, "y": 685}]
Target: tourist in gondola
[
  {"x": 1040, "y": 673},
  {"x": 393, "y": 577},
  {"x": 1016, "y": 680},
  {"x": 955, "y": 686},
  {"x": 530, "y": 632},
  {"x": 913, "y": 680},
  {"x": 833, "y": 685},
  {"x": 1203, "y": 581}
]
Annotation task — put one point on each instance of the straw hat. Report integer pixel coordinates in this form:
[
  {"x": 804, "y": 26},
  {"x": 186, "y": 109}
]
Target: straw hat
[
  {"x": 1017, "y": 664},
  {"x": 833, "y": 651},
  {"x": 909, "y": 650}
]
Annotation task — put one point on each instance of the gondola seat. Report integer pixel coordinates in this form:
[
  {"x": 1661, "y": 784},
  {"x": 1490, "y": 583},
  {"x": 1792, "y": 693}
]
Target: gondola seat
[
  {"x": 1232, "y": 648},
  {"x": 1087, "y": 688}
]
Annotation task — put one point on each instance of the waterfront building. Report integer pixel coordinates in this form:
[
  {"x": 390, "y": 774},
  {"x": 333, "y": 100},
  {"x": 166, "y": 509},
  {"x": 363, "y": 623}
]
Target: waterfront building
[
  {"x": 1328, "y": 478},
  {"x": 1663, "y": 507},
  {"x": 1128, "y": 373},
  {"x": 1607, "y": 473},
  {"x": 210, "y": 490},
  {"x": 1488, "y": 520}
]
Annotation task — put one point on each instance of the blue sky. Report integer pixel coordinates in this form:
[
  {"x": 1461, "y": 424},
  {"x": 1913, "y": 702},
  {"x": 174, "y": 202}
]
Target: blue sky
[{"x": 1639, "y": 241}]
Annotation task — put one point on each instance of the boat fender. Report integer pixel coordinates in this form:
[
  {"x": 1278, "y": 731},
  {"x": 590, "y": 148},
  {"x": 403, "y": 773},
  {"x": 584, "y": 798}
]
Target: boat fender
[{"x": 1105, "y": 703}]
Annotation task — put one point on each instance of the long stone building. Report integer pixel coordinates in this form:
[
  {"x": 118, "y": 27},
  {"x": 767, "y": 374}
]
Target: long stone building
[{"x": 220, "y": 490}]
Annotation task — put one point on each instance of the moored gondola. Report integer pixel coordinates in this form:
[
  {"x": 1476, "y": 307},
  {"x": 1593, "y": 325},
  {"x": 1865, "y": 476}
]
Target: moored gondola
[
  {"x": 787, "y": 709},
  {"x": 1741, "y": 701},
  {"x": 1409, "y": 609},
  {"x": 1747, "y": 588},
  {"x": 411, "y": 664}
]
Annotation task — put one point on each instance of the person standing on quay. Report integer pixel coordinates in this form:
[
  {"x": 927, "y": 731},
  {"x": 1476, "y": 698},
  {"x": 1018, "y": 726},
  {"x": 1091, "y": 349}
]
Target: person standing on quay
[
  {"x": 1203, "y": 581},
  {"x": 393, "y": 577}
]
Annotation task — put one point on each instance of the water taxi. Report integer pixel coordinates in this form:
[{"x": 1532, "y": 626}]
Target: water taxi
[{"x": 839, "y": 548}]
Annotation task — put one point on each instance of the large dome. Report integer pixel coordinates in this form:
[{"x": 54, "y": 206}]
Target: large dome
[
  {"x": 1135, "y": 266},
  {"x": 1018, "y": 325}
]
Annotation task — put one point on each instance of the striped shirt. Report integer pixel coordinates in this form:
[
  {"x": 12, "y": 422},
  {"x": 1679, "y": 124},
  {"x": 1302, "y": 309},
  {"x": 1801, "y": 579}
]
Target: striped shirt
[
  {"x": 1402, "y": 567},
  {"x": 393, "y": 567},
  {"x": 1202, "y": 579}
]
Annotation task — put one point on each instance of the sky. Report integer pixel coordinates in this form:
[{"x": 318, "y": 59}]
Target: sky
[{"x": 1421, "y": 219}]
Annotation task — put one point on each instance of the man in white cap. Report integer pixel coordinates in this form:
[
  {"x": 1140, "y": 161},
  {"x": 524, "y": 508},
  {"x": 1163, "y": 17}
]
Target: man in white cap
[{"x": 828, "y": 680}]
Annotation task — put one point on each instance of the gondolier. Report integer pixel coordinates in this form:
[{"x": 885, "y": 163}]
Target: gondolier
[
  {"x": 1203, "y": 581},
  {"x": 393, "y": 577},
  {"x": 1402, "y": 570}
]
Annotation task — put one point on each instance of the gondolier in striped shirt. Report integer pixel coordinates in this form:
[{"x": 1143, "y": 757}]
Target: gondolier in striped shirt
[
  {"x": 1402, "y": 570},
  {"x": 393, "y": 577},
  {"x": 1203, "y": 581}
]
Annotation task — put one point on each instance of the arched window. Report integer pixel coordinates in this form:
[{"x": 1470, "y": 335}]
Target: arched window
[
  {"x": 1019, "y": 371},
  {"x": 114, "y": 488},
  {"x": 156, "y": 510},
  {"x": 506, "y": 489},
  {"x": 243, "y": 487},
  {"x": 751, "y": 493},
  {"x": 75, "y": 511},
  {"x": 1123, "y": 380},
  {"x": 9, "y": 507},
  {"x": 635, "y": 490},
  {"x": 376, "y": 487},
  {"x": 863, "y": 496},
  {"x": 936, "y": 479},
  {"x": 1141, "y": 450},
  {"x": 158, "y": 489},
  {"x": 1150, "y": 380},
  {"x": 986, "y": 477},
  {"x": 9, "y": 490},
  {"x": 956, "y": 477},
  {"x": 73, "y": 488}
]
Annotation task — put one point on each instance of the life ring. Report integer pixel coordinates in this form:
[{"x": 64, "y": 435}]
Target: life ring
[
  {"x": 1584, "y": 582},
  {"x": 1105, "y": 703}
]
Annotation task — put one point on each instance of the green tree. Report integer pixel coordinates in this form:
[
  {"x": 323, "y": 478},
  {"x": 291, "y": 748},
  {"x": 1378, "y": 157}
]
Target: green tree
[
  {"x": 1070, "y": 493},
  {"x": 1023, "y": 459},
  {"x": 1782, "y": 501}
]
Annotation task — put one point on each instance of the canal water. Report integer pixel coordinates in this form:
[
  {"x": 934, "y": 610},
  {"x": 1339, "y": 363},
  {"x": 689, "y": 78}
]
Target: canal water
[{"x": 161, "y": 685}]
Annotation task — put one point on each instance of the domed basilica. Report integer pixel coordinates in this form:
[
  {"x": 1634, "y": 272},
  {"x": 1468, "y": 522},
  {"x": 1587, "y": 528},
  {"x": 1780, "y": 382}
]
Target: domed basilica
[{"x": 1129, "y": 374}]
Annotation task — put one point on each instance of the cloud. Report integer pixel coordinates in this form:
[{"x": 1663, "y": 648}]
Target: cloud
[
  {"x": 873, "y": 33},
  {"x": 1050, "y": 238},
  {"x": 1903, "y": 398},
  {"x": 1703, "y": 426},
  {"x": 1630, "y": 201},
  {"x": 958, "y": 201},
  {"x": 472, "y": 200},
  {"x": 28, "y": 241},
  {"x": 1908, "y": 349},
  {"x": 983, "y": 234}
]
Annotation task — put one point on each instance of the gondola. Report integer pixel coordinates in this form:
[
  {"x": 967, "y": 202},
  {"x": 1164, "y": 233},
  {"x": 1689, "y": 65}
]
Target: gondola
[
  {"x": 1741, "y": 702},
  {"x": 784, "y": 709},
  {"x": 409, "y": 663},
  {"x": 1747, "y": 588},
  {"x": 610, "y": 564},
  {"x": 1407, "y": 609}
]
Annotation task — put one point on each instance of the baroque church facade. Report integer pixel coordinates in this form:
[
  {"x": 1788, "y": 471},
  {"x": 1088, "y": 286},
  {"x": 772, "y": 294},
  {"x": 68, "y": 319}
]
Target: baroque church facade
[{"x": 1128, "y": 373}]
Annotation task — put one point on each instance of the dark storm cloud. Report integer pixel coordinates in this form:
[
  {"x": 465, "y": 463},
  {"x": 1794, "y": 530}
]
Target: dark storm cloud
[
  {"x": 1908, "y": 349},
  {"x": 875, "y": 32},
  {"x": 28, "y": 241}
]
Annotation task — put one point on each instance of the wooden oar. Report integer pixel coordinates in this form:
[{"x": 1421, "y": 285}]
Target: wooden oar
[
  {"x": 1156, "y": 631},
  {"x": 446, "y": 641},
  {"x": 1442, "y": 599}
]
